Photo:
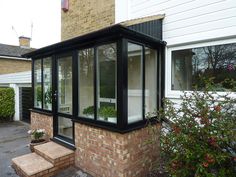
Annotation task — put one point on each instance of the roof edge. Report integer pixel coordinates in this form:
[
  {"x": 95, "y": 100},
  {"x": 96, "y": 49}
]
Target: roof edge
[{"x": 142, "y": 20}]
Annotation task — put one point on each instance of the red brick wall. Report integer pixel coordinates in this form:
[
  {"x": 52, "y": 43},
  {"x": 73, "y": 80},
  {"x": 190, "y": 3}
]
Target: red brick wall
[
  {"x": 108, "y": 154},
  {"x": 42, "y": 121}
]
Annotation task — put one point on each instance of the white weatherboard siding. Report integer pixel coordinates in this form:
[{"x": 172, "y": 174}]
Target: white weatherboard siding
[
  {"x": 16, "y": 78},
  {"x": 15, "y": 81},
  {"x": 186, "y": 21},
  {"x": 187, "y": 24}
]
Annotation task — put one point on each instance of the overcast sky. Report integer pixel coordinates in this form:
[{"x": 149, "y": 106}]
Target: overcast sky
[{"x": 45, "y": 15}]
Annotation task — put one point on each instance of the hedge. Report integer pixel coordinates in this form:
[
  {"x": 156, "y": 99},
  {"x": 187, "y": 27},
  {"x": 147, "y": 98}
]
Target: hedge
[{"x": 7, "y": 104}]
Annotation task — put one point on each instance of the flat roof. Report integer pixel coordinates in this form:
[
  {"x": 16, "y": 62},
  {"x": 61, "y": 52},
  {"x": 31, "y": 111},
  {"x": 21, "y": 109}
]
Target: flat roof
[{"x": 93, "y": 38}]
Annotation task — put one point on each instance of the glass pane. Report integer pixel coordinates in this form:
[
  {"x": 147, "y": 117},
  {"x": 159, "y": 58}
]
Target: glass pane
[
  {"x": 150, "y": 81},
  {"x": 107, "y": 83},
  {"x": 134, "y": 83},
  {"x": 47, "y": 83},
  {"x": 86, "y": 88},
  {"x": 37, "y": 84},
  {"x": 65, "y": 127},
  {"x": 65, "y": 85},
  {"x": 189, "y": 66}
]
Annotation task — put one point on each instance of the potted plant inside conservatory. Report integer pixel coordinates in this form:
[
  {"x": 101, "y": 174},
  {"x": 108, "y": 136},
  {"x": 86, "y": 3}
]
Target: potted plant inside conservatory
[
  {"x": 108, "y": 113},
  {"x": 89, "y": 111},
  {"x": 37, "y": 137},
  {"x": 39, "y": 97}
]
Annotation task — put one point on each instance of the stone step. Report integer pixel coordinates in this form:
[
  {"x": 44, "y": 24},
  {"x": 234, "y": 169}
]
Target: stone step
[
  {"x": 47, "y": 160},
  {"x": 32, "y": 165},
  {"x": 58, "y": 155}
]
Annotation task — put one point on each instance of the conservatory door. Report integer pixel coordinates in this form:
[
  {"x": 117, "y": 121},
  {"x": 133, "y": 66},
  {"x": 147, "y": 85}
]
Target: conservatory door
[{"x": 63, "y": 94}]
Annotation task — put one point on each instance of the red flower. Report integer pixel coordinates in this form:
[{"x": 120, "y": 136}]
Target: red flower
[
  {"x": 176, "y": 129},
  {"x": 217, "y": 108},
  {"x": 205, "y": 164},
  {"x": 213, "y": 141},
  {"x": 209, "y": 158}
]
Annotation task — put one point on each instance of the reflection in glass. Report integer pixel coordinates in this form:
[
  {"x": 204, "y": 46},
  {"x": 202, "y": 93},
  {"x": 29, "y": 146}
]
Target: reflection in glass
[
  {"x": 47, "y": 83},
  {"x": 189, "y": 66},
  {"x": 65, "y": 85},
  {"x": 86, "y": 88},
  {"x": 134, "y": 83},
  {"x": 107, "y": 83},
  {"x": 65, "y": 127},
  {"x": 37, "y": 84},
  {"x": 150, "y": 80}
]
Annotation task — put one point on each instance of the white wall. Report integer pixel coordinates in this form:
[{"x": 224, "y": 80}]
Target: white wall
[{"x": 186, "y": 21}]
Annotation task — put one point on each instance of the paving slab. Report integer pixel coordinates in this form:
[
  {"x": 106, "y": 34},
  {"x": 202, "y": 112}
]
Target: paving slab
[
  {"x": 53, "y": 150},
  {"x": 32, "y": 163}
]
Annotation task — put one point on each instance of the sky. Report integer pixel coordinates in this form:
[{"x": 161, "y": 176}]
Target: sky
[{"x": 45, "y": 15}]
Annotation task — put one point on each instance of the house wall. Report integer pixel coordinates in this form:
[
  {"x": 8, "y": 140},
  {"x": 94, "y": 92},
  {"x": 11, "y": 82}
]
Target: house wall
[
  {"x": 186, "y": 21},
  {"x": 13, "y": 66},
  {"x": 109, "y": 154},
  {"x": 187, "y": 24},
  {"x": 85, "y": 16}
]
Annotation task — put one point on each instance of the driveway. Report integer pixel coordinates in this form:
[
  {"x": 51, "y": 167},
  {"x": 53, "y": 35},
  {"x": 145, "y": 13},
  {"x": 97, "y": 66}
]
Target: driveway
[{"x": 14, "y": 142}]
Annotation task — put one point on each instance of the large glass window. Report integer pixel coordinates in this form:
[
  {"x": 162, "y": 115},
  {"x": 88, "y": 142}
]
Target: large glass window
[
  {"x": 37, "y": 84},
  {"x": 150, "y": 81},
  {"x": 106, "y": 83},
  {"x": 189, "y": 66},
  {"x": 47, "y": 83},
  {"x": 65, "y": 85},
  {"x": 86, "y": 83},
  {"x": 135, "y": 89}
]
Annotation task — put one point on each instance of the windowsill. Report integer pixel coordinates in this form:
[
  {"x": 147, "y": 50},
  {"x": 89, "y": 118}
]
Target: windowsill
[
  {"x": 41, "y": 111},
  {"x": 113, "y": 127},
  {"x": 176, "y": 94}
]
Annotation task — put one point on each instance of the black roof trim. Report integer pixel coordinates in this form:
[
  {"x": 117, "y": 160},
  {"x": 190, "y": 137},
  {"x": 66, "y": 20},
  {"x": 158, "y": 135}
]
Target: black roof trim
[{"x": 114, "y": 31}]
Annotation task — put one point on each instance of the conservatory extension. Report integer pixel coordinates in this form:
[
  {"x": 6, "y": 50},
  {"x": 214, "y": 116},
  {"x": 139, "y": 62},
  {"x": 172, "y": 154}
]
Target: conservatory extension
[{"x": 104, "y": 81}]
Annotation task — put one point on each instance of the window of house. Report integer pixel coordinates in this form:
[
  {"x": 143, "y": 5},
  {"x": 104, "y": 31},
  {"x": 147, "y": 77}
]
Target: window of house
[
  {"x": 135, "y": 82},
  {"x": 150, "y": 81},
  {"x": 43, "y": 84},
  {"x": 86, "y": 83},
  {"x": 37, "y": 84},
  {"x": 47, "y": 84},
  {"x": 218, "y": 62},
  {"x": 106, "y": 83}
]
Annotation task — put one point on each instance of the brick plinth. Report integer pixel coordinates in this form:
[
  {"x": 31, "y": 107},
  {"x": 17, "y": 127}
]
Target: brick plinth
[
  {"x": 109, "y": 154},
  {"x": 42, "y": 121}
]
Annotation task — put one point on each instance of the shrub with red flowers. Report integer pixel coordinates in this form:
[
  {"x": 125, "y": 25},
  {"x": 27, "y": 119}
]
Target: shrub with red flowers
[{"x": 201, "y": 140}]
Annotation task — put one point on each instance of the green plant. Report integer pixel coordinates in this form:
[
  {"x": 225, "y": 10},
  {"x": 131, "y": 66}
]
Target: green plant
[
  {"x": 107, "y": 111},
  {"x": 89, "y": 110},
  {"x": 39, "y": 93},
  {"x": 48, "y": 96},
  {"x": 37, "y": 134},
  {"x": 201, "y": 141},
  {"x": 7, "y": 104}
]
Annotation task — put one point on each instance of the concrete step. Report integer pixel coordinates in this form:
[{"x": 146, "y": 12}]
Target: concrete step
[
  {"x": 47, "y": 160},
  {"x": 32, "y": 165},
  {"x": 58, "y": 155}
]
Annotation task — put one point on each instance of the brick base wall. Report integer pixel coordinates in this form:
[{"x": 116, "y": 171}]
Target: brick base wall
[
  {"x": 109, "y": 154},
  {"x": 42, "y": 121}
]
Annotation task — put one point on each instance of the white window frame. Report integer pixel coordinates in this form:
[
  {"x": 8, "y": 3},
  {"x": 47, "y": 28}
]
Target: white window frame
[{"x": 176, "y": 94}]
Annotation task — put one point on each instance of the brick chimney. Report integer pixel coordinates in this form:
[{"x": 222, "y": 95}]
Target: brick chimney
[{"x": 24, "y": 42}]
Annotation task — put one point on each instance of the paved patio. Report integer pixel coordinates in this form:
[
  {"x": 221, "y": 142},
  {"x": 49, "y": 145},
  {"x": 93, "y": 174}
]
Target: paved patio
[{"x": 14, "y": 142}]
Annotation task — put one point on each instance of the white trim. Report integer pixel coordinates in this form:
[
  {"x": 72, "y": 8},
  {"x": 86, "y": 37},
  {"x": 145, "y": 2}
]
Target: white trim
[
  {"x": 168, "y": 68},
  {"x": 15, "y": 58}
]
